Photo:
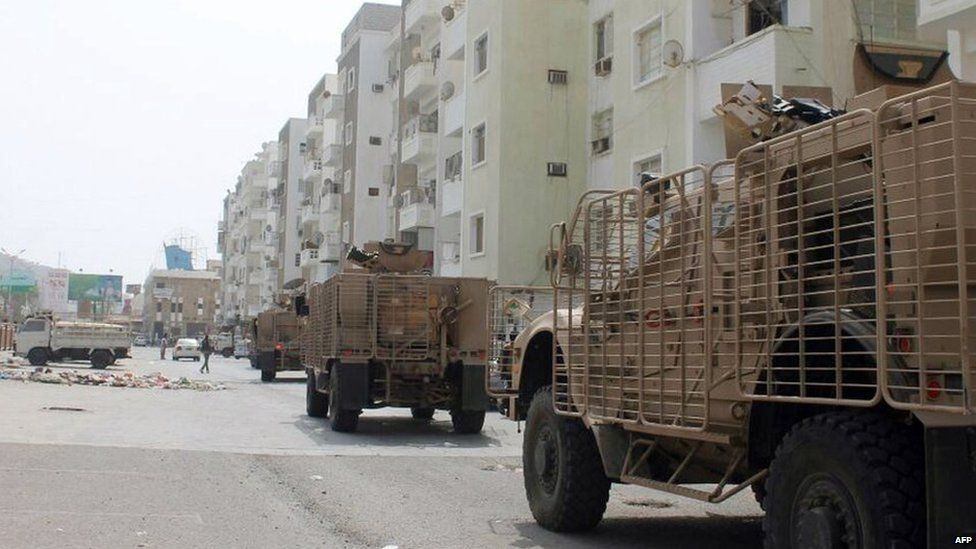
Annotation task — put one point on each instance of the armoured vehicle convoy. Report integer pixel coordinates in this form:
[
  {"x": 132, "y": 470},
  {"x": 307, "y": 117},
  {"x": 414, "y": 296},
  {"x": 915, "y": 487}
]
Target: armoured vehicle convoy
[
  {"x": 795, "y": 321},
  {"x": 380, "y": 334},
  {"x": 42, "y": 338},
  {"x": 277, "y": 342}
]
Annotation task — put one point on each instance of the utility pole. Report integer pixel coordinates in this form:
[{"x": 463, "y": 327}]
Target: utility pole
[{"x": 10, "y": 280}]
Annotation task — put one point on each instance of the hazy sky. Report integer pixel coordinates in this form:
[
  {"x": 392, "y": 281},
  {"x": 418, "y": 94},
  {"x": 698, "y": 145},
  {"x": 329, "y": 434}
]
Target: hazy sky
[{"x": 123, "y": 121}]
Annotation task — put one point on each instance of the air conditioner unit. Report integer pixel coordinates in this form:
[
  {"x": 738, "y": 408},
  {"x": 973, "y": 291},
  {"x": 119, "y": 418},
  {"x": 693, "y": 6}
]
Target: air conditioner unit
[
  {"x": 604, "y": 66},
  {"x": 558, "y": 76},
  {"x": 600, "y": 145},
  {"x": 556, "y": 169},
  {"x": 378, "y": 88}
]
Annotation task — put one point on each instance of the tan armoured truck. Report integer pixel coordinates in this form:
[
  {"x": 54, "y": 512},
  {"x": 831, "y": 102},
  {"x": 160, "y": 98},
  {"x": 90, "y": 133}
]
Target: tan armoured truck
[
  {"x": 795, "y": 321},
  {"x": 377, "y": 336},
  {"x": 277, "y": 343}
]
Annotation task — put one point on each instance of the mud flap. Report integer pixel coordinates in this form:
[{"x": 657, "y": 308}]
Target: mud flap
[
  {"x": 353, "y": 385},
  {"x": 266, "y": 360},
  {"x": 950, "y": 484},
  {"x": 613, "y": 443},
  {"x": 473, "y": 393}
]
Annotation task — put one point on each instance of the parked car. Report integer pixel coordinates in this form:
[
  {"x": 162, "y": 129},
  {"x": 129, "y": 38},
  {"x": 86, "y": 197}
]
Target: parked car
[
  {"x": 186, "y": 347},
  {"x": 140, "y": 340},
  {"x": 242, "y": 348}
]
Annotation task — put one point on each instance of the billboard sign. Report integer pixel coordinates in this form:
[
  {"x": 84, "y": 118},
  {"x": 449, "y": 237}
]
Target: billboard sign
[
  {"x": 94, "y": 287},
  {"x": 54, "y": 291},
  {"x": 17, "y": 282},
  {"x": 178, "y": 259}
]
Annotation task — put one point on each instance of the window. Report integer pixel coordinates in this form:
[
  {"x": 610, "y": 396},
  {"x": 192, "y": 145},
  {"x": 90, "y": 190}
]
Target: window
[
  {"x": 375, "y": 140},
  {"x": 159, "y": 306},
  {"x": 477, "y": 234},
  {"x": 351, "y": 79},
  {"x": 603, "y": 38},
  {"x": 298, "y": 259},
  {"x": 650, "y": 164},
  {"x": 374, "y": 191},
  {"x": 478, "y": 137},
  {"x": 347, "y": 181},
  {"x": 602, "y": 131},
  {"x": 885, "y": 19},
  {"x": 160, "y": 284},
  {"x": 481, "y": 54},
  {"x": 347, "y": 133},
  {"x": 647, "y": 52},
  {"x": 172, "y": 307},
  {"x": 766, "y": 13},
  {"x": 33, "y": 326}
]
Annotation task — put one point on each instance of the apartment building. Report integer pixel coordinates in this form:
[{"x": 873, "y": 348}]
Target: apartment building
[
  {"x": 181, "y": 303},
  {"x": 321, "y": 192},
  {"x": 246, "y": 239},
  {"x": 289, "y": 195},
  {"x": 363, "y": 124},
  {"x": 657, "y": 69},
  {"x": 955, "y": 22},
  {"x": 493, "y": 121}
]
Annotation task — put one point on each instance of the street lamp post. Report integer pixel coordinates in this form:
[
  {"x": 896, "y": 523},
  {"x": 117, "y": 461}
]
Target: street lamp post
[{"x": 10, "y": 279}]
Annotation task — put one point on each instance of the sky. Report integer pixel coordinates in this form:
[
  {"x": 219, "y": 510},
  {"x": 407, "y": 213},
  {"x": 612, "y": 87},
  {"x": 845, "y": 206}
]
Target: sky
[{"x": 123, "y": 123}]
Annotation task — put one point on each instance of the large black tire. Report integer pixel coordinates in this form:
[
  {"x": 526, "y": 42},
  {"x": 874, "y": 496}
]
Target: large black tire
[
  {"x": 100, "y": 359},
  {"x": 846, "y": 479},
  {"x": 564, "y": 479},
  {"x": 468, "y": 422},
  {"x": 227, "y": 352},
  {"x": 37, "y": 356},
  {"x": 341, "y": 421},
  {"x": 422, "y": 413},
  {"x": 316, "y": 403},
  {"x": 268, "y": 373}
]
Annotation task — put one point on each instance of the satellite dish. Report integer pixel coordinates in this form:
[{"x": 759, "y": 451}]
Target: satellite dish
[
  {"x": 447, "y": 90},
  {"x": 673, "y": 53},
  {"x": 447, "y": 12}
]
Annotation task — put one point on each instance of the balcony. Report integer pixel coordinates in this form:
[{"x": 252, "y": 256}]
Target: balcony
[
  {"x": 330, "y": 252},
  {"x": 332, "y": 155},
  {"x": 334, "y": 105},
  {"x": 313, "y": 166},
  {"x": 450, "y": 259},
  {"x": 314, "y": 127},
  {"x": 454, "y": 115},
  {"x": 419, "y": 79},
  {"x": 452, "y": 196},
  {"x": 420, "y": 139},
  {"x": 420, "y": 12},
  {"x": 771, "y": 56},
  {"x": 330, "y": 202},
  {"x": 308, "y": 214},
  {"x": 453, "y": 35},
  {"x": 309, "y": 257},
  {"x": 417, "y": 209}
]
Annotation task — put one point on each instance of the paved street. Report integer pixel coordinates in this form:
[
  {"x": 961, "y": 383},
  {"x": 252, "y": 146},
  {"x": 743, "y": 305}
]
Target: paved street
[{"x": 244, "y": 467}]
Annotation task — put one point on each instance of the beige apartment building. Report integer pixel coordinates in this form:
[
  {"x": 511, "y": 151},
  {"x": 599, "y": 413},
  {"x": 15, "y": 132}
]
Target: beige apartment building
[{"x": 181, "y": 303}]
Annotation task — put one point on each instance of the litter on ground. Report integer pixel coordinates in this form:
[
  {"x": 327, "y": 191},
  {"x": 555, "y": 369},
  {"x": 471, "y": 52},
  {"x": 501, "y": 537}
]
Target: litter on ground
[{"x": 154, "y": 380}]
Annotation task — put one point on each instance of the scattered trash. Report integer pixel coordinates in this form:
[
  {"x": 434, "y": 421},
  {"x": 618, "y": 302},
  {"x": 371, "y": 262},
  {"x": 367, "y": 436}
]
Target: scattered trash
[
  {"x": 650, "y": 503},
  {"x": 63, "y": 409},
  {"x": 316, "y": 477},
  {"x": 501, "y": 467},
  {"x": 154, "y": 380}
]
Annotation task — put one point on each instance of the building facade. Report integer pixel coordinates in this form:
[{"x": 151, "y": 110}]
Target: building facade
[
  {"x": 289, "y": 193},
  {"x": 181, "y": 303}
]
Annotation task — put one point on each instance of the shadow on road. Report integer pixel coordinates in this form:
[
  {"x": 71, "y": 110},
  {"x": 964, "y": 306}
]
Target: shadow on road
[
  {"x": 394, "y": 431},
  {"x": 644, "y": 532}
]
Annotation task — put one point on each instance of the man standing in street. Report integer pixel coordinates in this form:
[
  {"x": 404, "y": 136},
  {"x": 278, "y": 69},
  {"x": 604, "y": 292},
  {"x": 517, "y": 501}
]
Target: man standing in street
[
  {"x": 162, "y": 347},
  {"x": 207, "y": 349}
]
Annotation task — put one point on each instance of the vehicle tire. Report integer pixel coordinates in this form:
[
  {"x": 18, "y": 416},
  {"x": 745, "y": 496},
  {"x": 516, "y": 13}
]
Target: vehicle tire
[
  {"x": 564, "y": 479},
  {"x": 422, "y": 413},
  {"x": 100, "y": 359},
  {"x": 227, "y": 353},
  {"x": 268, "y": 373},
  {"x": 38, "y": 356},
  {"x": 341, "y": 421},
  {"x": 468, "y": 422},
  {"x": 846, "y": 479},
  {"x": 196, "y": 359},
  {"x": 175, "y": 359},
  {"x": 316, "y": 403}
]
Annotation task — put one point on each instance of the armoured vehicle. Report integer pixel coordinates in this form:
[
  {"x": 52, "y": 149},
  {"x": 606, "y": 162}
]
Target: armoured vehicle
[
  {"x": 42, "y": 338},
  {"x": 382, "y": 335},
  {"x": 277, "y": 342},
  {"x": 795, "y": 321}
]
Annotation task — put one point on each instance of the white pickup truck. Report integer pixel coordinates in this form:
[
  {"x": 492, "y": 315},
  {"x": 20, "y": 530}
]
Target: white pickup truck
[{"x": 42, "y": 339}]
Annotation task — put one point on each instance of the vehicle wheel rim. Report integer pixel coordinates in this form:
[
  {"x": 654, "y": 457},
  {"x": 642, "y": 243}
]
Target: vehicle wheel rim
[
  {"x": 824, "y": 515},
  {"x": 545, "y": 459}
]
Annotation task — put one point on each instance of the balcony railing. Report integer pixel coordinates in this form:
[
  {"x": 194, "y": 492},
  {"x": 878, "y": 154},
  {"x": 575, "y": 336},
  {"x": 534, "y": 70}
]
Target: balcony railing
[
  {"x": 419, "y": 79},
  {"x": 334, "y": 105}
]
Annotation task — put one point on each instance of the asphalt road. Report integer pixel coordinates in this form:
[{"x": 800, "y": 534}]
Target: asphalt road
[{"x": 244, "y": 467}]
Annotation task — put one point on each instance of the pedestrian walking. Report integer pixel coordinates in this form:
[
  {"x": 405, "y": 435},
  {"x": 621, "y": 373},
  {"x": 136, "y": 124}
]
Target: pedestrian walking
[
  {"x": 162, "y": 346},
  {"x": 207, "y": 349}
]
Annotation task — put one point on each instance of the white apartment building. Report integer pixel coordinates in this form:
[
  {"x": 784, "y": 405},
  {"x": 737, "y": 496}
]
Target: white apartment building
[
  {"x": 246, "y": 240},
  {"x": 363, "y": 124},
  {"x": 955, "y": 22},
  {"x": 321, "y": 192},
  {"x": 493, "y": 118},
  {"x": 657, "y": 69},
  {"x": 290, "y": 193}
]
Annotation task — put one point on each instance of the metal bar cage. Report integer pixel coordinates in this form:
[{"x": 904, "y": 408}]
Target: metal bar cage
[{"x": 511, "y": 311}]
